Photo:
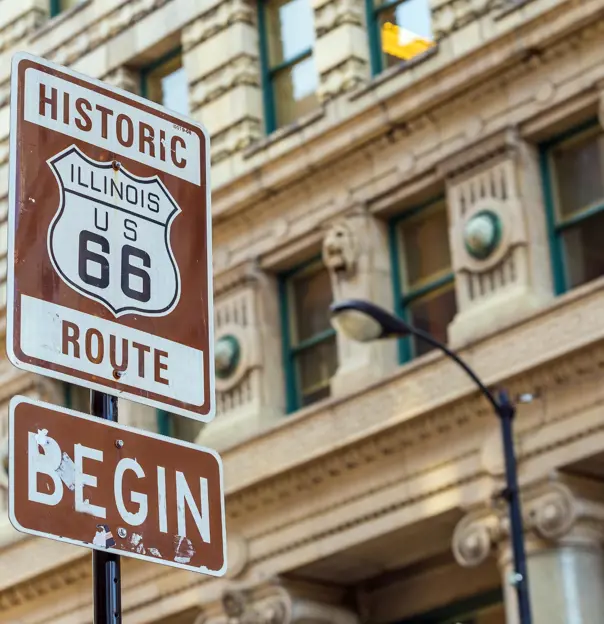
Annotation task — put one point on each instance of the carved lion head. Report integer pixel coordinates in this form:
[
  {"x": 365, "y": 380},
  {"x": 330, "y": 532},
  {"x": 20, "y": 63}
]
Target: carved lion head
[{"x": 340, "y": 248}]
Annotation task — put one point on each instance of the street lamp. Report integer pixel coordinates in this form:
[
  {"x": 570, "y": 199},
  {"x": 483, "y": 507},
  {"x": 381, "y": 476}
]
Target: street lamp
[{"x": 364, "y": 322}]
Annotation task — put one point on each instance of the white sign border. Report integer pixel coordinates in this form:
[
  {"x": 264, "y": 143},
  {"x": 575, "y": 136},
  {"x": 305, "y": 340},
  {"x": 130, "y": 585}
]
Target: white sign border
[
  {"x": 17, "y": 58},
  {"x": 17, "y": 400}
]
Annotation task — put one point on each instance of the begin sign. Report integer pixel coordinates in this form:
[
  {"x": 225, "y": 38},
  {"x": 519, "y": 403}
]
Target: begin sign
[{"x": 90, "y": 482}]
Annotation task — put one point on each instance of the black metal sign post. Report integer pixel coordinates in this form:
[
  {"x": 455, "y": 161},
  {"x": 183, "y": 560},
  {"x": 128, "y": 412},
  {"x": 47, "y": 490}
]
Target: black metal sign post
[{"x": 106, "y": 572}]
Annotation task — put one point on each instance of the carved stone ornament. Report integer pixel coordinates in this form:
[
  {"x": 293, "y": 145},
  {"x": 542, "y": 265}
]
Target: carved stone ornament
[
  {"x": 482, "y": 234},
  {"x": 553, "y": 513},
  {"x": 227, "y": 354},
  {"x": 232, "y": 357},
  {"x": 474, "y": 537},
  {"x": 239, "y": 608},
  {"x": 340, "y": 248}
]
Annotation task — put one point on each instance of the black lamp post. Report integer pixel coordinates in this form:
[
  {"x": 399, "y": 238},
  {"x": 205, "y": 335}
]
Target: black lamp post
[{"x": 363, "y": 321}]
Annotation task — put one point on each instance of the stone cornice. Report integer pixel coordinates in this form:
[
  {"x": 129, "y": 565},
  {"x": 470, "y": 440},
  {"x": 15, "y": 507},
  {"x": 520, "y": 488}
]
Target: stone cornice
[
  {"x": 383, "y": 109},
  {"x": 524, "y": 357},
  {"x": 21, "y": 27}
]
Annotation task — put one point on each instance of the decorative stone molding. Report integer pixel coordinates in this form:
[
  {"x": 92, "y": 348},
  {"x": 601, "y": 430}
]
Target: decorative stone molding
[
  {"x": 340, "y": 249},
  {"x": 25, "y": 24},
  {"x": 554, "y": 512},
  {"x": 277, "y": 603},
  {"x": 43, "y": 587},
  {"x": 219, "y": 18},
  {"x": 235, "y": 139},
  {"x": 101, "y": 31},
  {"x": 221, "y": 56},
  {"x": 451, "y": 15},
  {"x": 249, "y": 392},
  {"x": 355, "y": 251},
  {"x": 329, "y": 15},
  {"x": 124, "y": 78},
  {"x": 509, "y": 278},
  {"x": 341, "y": 51},
  {"x": 242, "y": 70}
]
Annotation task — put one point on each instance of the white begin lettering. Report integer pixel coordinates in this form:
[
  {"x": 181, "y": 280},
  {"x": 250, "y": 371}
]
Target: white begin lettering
[{"x": 45, "y": 458}]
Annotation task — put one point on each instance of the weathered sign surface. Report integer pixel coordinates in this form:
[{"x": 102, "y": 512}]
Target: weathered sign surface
[
  {"x": 109, "y": 278},
  {"x": 90, "y": 482}
]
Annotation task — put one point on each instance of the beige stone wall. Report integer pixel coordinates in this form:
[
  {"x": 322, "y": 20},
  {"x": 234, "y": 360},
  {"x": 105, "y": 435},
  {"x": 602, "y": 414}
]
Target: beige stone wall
[{"x": 377, "y": 478}]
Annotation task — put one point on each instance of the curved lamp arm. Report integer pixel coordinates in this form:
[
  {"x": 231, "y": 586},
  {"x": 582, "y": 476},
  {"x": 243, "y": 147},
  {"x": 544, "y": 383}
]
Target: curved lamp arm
[{"x": 383, "y": 324}]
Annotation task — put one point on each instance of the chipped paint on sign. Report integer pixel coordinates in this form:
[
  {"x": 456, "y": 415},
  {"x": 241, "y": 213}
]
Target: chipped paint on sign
[
  {"x": 66, "y": 471},
  {"x": 184, "y": 549},
  {"x": 155, "y": 552},
  {"x": 41, "y": 438}
]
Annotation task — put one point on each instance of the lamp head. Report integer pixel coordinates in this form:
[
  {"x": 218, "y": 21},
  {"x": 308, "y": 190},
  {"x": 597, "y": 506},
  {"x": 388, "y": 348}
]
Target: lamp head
[{"x": 364, "y": 321}]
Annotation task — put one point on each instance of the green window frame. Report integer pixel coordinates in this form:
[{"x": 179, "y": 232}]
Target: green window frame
[
  {"x": 461, "y": 612},
  {"x": 55, "y": 7},
  {"x": 271, "y": 72},
  {"x": 292, "y": 349},
  {"x": 373, "y": 14},
  {"x": 147, "y": 71},
  {"x": 403, "y": 298},
  {"x": 556, "y": 225}
]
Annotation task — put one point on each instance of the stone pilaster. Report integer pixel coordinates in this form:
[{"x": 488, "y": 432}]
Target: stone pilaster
[
  {"x": 19, "y": 19},
  {"x": 341, "y": 49},
  {"x": 564, "y": 534},
  {"x": 277, "y": 602},
  {"x": 137, "y": 415},
  {"x": 498, "y": 237},
  {"x": 249, "y": 378},
  {"x": 221, "y": 59},
  {"x": 355, "y": 251},
  {"x": 124, "y": 78}
]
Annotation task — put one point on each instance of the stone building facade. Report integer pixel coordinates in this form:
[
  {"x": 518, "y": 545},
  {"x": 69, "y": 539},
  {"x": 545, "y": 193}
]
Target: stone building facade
[{"x": 462, "y": 187}]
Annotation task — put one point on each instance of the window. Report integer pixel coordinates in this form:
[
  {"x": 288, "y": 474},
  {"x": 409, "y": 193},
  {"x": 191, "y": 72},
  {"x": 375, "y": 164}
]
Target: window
[
  {"x": 399, "y": 30},
  {"x": 59, "y": 6},
  {"x": 290, "y": 77},
  {"x": 165, "y": 82},
  {"x": 178, "y": 427},
  {"x": 310, "y": 352},
  {"x": 77, "y": 398},
  {"x": 424, "y": 284},
  {"x": 573, "y": 175}
]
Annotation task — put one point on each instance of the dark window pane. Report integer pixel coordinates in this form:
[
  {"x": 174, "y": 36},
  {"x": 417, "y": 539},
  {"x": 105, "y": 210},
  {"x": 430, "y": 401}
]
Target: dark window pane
[
  {"x": 311, "y": 299},
  {"x": 64, "y": 5},
  {"x": 583, "y": 251},
  {"x": 579, "y": 175},
  {"x": 408, "y": 31},
  {"x": 290, "y": 29},
  {"x": 425, "y": 246},
  {"x": 295, "y": 91},
  {"x": 433, "y": 314},
  {"x": 315, "y": 367},
  {"x": 185, "y": 429}
]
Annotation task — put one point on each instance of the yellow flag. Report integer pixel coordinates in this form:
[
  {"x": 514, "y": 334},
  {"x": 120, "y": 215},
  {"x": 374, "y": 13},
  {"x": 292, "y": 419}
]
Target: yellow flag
[{"x": 402, "y": 43}]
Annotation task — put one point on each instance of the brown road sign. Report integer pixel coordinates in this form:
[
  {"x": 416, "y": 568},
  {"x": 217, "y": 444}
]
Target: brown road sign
[
  {"x": 109, "y": 277},
  {"x": 90, "y": 482}
]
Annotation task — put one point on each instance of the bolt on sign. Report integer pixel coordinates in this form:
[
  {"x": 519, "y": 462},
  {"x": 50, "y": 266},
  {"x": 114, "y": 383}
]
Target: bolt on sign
[
  {"x": 109, "y": 280},
  {"x": 94, "y": 483}
]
